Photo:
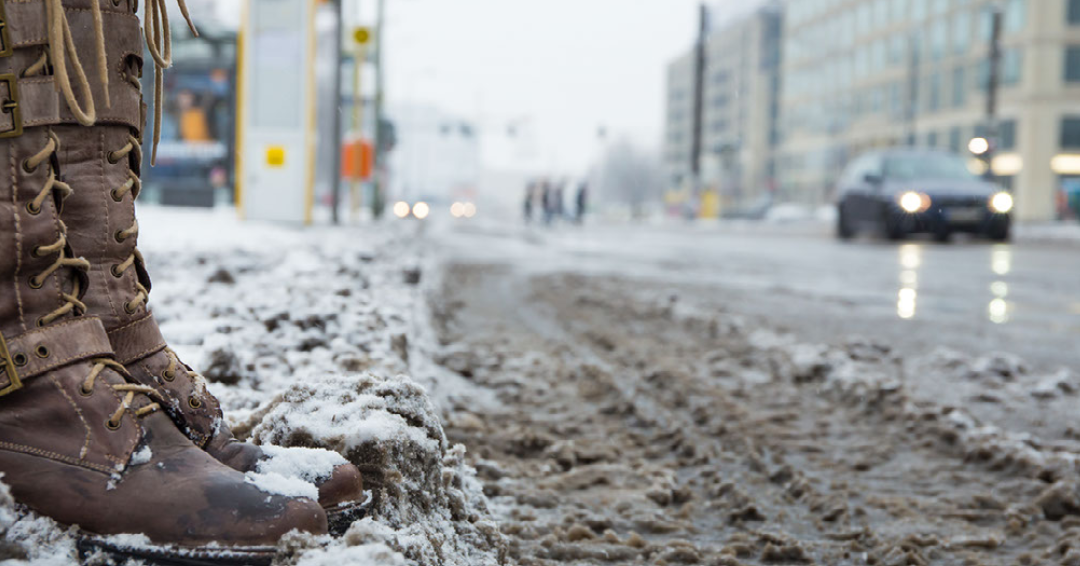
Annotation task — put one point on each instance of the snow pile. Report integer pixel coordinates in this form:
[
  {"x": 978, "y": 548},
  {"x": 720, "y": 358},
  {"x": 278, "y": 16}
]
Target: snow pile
[
  {"x": 310, "y": 464},
  {"x": 428, "y": 504},
  {"x": 327, "y": 300},
  {"x": 277, "y": 484},
  {"x": 26, "y": 538}
]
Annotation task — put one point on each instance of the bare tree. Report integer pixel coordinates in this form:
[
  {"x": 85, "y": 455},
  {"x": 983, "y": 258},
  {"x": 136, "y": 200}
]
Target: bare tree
[{"x": 630, "y": 175}]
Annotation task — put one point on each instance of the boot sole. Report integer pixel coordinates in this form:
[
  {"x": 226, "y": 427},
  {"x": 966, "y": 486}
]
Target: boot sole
[
  {"x": 340, "y": 517},
  {"x": 176, "y": 556}
]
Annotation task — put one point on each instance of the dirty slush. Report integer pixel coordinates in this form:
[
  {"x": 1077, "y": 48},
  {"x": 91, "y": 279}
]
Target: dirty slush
[{"x": 503, "y": 417}]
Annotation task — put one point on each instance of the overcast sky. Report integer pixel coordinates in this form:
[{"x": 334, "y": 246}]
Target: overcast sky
[
  {"x": 561, "y": 67},
  {"x": 565, "y": 66}
]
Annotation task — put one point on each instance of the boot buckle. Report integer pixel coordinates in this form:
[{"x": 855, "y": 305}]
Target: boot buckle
[
  {"x": 10, "y": 104},
  {"x": 7, "y": 368}
]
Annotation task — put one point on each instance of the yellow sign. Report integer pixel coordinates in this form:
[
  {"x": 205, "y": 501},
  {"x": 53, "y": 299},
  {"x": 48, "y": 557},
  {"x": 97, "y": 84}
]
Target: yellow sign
[
  {"x": 275, "y": 156},
  {"x": 362, "y": 35}
]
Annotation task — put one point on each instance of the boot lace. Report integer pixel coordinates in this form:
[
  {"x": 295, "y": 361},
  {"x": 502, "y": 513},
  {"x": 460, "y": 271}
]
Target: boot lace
[
  {"x": 169, "y": 374},
  {"x": 128, "y": 391},
  {"x": 133, "y": 185},
  {"x": 62, "y": 45},
  {"x": 159, "y": 43},
  {"x": 52, "y": 186}
]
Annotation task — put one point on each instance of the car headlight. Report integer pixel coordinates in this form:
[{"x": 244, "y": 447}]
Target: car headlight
[
  {"x": 1002, "y": 203},
  {"x": 912, "y": 202},
  {"x": 421, "y": 210},
  {"x": 401, "y": 209}
]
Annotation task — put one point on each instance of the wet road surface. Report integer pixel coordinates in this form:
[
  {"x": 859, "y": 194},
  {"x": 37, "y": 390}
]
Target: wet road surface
[{"x": 1014, "y": 306}]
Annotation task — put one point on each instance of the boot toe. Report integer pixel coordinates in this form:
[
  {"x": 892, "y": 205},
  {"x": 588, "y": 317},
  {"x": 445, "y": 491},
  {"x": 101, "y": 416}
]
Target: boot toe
[{"x": 345, "y": 485}]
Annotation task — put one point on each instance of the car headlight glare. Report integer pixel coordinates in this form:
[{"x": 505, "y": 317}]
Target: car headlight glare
[
  {"x": 912, "y": 202},
  {"x": 1002, "y": 203},
  {"x": 401, "y": 209},
  {"x": 421, "y": 210}
]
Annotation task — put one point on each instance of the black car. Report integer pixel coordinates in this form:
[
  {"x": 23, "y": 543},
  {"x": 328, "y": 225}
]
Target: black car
[{"x": 902, "y": 192}]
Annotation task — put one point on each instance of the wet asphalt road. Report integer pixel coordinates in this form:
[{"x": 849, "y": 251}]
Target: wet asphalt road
[{"x": 975, "y": 297}]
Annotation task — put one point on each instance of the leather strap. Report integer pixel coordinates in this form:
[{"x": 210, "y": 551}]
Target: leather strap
[
  {"x": 137, "y": 340},
  {"x": 40, "y": 101},
  {"x": 43, "y": 350}
]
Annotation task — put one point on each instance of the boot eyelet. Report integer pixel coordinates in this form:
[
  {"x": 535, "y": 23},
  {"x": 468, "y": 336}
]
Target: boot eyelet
[
  {"x": 26, "y": 166},
  {"x": 41, "y": 323},
  {"x": 20, "y": 359},
  {"x": 35, "y": 284},
  {"x": 117, "y": 197},
  {"x": 36, "y": 252},
  {"x": 42, "y": 351},
  {"x": 85, "y": 392},
  {"x": 115, "y": 269},
  {"x": 32, "y": 209},
  {"x": 113, "y": 159},
  {"x": 194, "y": 403},
  {"x": 168, "y": 375},
  {"x": 128, "y": 308},
  {"x": 120, "y": 237},
  {"x": 112, "y": 426}
]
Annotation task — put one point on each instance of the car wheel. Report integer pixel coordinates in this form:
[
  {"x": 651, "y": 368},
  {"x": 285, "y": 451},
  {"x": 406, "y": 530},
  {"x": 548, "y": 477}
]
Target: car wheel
[{"x": 843, "y": 226}]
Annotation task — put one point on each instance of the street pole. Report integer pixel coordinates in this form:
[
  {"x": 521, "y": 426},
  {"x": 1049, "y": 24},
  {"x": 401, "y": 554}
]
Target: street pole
[
  {"x": 336, "y": 111},
  {"x": 380, "y": 168},
  {"x": 359, "y": 58},
  {"x": 912, "y": 110},
  {"x": 699, "y": 99},
  {"x": 992, "y": 86}
]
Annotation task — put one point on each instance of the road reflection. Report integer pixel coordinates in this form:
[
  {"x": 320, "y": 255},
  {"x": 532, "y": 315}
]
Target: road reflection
[
  {"x": 1001, "y": 265},
  {"x": 908, "y": 298},
  {"x": 999, "y": 310}
]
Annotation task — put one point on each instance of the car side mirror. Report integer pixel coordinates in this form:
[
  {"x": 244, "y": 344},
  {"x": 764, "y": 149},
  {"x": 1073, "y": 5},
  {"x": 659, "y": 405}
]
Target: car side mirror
[{"x": 874, "y": 179}]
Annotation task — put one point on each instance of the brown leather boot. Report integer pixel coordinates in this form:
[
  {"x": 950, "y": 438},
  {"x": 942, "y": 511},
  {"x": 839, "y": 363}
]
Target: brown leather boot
[
  {"x": 80, "y": 441},
  {"x": 103, "y": 163}
]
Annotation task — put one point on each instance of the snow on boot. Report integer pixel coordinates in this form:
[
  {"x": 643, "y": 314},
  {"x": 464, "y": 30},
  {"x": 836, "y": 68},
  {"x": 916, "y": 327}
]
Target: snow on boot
[
  {"x": 80, "y": 441},
  {"x": 103, "y": 163}
]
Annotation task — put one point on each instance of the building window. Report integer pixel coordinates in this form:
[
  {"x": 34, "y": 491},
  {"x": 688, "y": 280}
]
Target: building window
[
  {"x": 954, "y": 139},
  {"x": 1074, "y": 12},
  {"x": 961, "y": 32},
  {"x": 1070, "y": 132},
  {"x": 938, "y": 39},
  {"x": 959, "y": 87},
  {"x": 1072, "y": 64},
  {"x": 899, "y": 10},
  {"x": 1007, "y": 135},
  {"x": 918, "y": 10},
  {"x": 1011, "y": 65},
  {"x": 1015, "y": 15},
  {"x": 934, "y": 104},
  {"x": 1010, "y": 72},
  {"x": 931, "y": 139}
]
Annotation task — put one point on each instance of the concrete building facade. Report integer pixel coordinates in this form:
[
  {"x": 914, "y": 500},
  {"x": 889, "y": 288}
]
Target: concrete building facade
[
  {"x": 862, "y": 74},
  {"x": 740, "y": 112}
]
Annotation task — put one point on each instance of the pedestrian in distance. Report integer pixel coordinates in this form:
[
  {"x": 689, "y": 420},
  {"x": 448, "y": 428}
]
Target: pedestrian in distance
[
  {"x": 530, "y": 190},
  {"x": 581, "y": 202}
]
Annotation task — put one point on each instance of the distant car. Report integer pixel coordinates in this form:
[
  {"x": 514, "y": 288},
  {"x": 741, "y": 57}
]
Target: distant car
[{"x": 905, "y": 191}]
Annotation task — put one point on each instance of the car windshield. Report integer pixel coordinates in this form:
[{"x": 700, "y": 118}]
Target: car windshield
[{"x": 926, "y": 166}]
